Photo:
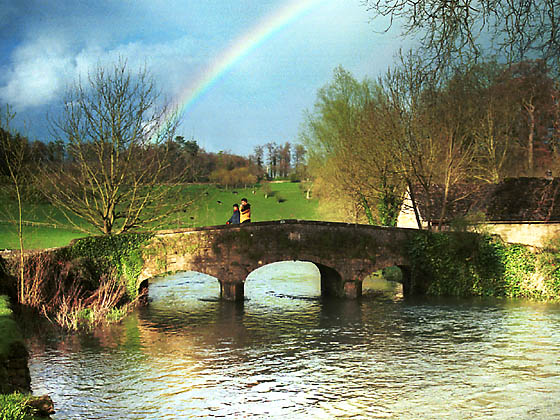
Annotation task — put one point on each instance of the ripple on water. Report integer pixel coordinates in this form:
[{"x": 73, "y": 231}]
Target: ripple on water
[{"x": 288, "y": 353}]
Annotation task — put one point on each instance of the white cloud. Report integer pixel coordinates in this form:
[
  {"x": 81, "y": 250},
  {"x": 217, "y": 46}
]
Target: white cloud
[
  {"x": 41, "y": 69},
  {"x": 37, "y": 73}
]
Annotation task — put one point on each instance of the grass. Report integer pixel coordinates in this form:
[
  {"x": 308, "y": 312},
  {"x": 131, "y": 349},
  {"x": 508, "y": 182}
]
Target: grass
[
  {"x": 16, "y": 406},
  {"x": 12, "y": 407},
  {"x": 36, "y": 237},
  {"x": 212, "y": 206}
]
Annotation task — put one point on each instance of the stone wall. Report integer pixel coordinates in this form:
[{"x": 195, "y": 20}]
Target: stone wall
[
  {"x": 535, "y": 234},
  {"x": 14, "y": 371}
]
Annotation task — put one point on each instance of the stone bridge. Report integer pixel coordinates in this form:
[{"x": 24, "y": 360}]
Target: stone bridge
[{"x": 344, "y": 253}]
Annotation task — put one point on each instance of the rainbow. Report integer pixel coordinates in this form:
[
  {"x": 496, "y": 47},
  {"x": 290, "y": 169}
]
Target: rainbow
[{"x": 238, "y": 49}]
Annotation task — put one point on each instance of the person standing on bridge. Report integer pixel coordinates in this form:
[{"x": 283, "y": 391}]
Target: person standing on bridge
[
  {"x": 245, "y": 211},
  {"x": 234, "y": 219}
]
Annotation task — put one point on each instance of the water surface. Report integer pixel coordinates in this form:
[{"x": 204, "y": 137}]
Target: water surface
[{"x": 287, "y": 353}]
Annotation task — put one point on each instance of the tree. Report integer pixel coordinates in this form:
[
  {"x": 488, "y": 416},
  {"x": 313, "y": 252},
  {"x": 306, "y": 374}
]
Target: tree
[
  {"x": 452, "y": 112},
  {"x": 346, "y": 142},
  {"x": 272, "y": 152},
  {"x": 299, "y": 153},
  {"x": 408, "y": 138},
  {"x": 14, "y": 163},
  {"x": 448, "y": 30},
  {"x": 534, "y": 90},
  {"x": 285, "y": 159},
  {"x": 117, "y": 137},
  {"x": 258, "y": 156}
]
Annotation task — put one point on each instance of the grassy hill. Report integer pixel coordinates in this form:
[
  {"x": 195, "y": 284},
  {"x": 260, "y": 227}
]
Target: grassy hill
[{"x": 211, "y": 206}]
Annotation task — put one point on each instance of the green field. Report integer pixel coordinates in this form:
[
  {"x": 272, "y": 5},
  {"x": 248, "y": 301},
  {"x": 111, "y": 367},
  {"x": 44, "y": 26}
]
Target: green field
[{"x": 211, "y": 205}]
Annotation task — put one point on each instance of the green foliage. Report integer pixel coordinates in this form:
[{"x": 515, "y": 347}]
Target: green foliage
[
  {"x": 549, "y": 267},
  {"x": 388, "y": 207},
  {"x": 367, "y": 210},
  {"x": 458, "y": 265},
  {"x": 115, "y": 246},
  {"x": 131, "y": 264},
  {"x": 85, "y": 315},
  {"x": 519, "y": 264},
  {"x": 392, "y": 274},
  {"x": 116, "y": 314},
  {"x": 481, "y": 265},
  {"x": 13, "y": 407},
  {"x": 119, "y": 252}
]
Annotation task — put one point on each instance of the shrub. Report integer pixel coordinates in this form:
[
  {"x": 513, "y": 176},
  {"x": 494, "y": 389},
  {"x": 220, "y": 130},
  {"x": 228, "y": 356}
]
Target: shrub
[
  {"x": 481, "y": 265},
  {"x": 80, "y": 285},
  {"x": 459, "y": 264}
]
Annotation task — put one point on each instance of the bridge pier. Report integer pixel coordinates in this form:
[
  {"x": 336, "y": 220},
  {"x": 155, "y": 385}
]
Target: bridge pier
[
  {"x": 352, "y": 289},
  {"x": 332, "y": 284},
  {"x": 232, "y": 292}
]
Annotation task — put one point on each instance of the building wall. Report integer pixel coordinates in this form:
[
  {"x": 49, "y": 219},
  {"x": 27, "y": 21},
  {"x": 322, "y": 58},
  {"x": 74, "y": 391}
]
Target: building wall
[{"x": 406, "y": 217}]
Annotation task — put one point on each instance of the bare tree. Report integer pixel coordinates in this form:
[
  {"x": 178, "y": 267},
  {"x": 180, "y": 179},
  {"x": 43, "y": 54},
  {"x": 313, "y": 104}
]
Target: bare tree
[
  {"x": 118, "y": 137},
  {"x": 13, "y": 148},
  {"x": 449, "y": 29},
  {"x": 298, "y": 153}
]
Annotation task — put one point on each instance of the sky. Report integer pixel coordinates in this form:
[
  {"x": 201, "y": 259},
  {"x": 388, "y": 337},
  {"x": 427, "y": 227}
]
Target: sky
[{"x": 242, "y": 72}]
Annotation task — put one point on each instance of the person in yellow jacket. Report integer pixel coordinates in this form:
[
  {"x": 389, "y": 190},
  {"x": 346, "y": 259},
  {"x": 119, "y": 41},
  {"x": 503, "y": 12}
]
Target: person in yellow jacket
[{"x": 245, "y": 210}]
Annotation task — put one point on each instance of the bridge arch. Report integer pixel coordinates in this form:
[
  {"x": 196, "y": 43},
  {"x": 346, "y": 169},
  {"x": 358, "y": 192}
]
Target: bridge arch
[{"x": 344, "y": 253}]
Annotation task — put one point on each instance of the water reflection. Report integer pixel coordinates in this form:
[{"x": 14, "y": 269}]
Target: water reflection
[{"x": 288, "y": 353}]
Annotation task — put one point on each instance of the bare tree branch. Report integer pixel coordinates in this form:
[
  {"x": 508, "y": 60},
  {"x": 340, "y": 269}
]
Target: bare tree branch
[{"x": 117, "y": 135}]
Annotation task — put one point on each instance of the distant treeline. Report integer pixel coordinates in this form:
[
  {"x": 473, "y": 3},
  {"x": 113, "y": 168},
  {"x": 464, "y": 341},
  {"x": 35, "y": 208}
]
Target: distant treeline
[{"x": 184, "y": 157}]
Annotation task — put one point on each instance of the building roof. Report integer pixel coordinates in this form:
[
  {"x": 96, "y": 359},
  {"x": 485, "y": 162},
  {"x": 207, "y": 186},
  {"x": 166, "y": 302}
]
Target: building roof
[{"x": 514, "y": 199}]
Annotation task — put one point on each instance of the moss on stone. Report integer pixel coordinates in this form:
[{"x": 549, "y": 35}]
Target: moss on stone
[{"x": 10, "y": 336}]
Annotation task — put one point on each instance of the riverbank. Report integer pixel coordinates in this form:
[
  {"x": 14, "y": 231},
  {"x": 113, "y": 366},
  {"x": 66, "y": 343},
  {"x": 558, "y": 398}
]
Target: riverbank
[
  {"x": 483, "y": 265},
  {"x": 14, "y": 374},
  {"x": 16, "y": 402}
]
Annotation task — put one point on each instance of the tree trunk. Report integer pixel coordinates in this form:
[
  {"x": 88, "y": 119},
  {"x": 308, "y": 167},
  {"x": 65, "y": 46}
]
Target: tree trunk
[
  {"x": 21, "y": 249},
  {"x": 414, "y": 205},
  {"x": 443, "y": 206},
  {"x": 530, "y": 108}
]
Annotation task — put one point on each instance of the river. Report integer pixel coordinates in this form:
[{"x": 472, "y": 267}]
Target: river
[{"x": 286, "y": 353}]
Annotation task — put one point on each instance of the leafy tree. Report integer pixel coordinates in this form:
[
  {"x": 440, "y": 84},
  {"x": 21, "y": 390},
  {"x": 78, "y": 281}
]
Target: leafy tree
[{"x": 346, "y": 142}]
